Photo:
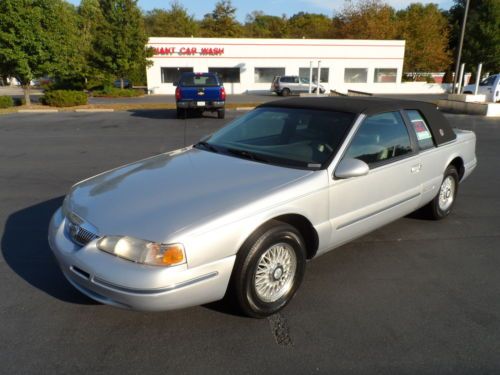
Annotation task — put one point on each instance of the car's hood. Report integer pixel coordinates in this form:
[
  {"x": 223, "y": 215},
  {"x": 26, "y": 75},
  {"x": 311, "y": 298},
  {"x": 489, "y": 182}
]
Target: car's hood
[{"x": 156, "y": 197}]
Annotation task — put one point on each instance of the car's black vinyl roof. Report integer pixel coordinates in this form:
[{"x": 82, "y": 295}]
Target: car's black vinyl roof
[{"x": 439, "y": 126}]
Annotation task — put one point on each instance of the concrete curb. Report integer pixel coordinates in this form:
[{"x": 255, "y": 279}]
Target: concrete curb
[
  {"x": 37, "y": 110},
  {"x": 468, "y": 108},
  {"x": 244, "y": 108}
]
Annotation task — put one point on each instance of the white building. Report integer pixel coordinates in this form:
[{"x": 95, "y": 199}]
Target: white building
[{"x": 249, "y": 65}]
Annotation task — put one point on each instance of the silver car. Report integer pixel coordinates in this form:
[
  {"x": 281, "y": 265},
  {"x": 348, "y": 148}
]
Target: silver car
[
  {"x": 292, "y": 85},
  {"x": 239, "y": 214}
]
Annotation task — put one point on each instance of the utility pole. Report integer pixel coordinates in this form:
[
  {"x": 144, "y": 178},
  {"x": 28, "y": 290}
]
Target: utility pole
[{"x": 459, "y": 53}]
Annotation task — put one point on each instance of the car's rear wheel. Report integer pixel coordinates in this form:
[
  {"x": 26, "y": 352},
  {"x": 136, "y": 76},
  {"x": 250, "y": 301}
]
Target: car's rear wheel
[
  {"x": 285, "y": 92},
  {"x": 443, "y": 202},
  {"x": 221, "y": 113},
  {"x": 268, "y": 270}
]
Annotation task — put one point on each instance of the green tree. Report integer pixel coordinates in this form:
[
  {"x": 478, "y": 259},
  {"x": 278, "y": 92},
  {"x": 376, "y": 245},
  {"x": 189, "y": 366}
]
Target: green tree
[
  {"x": 365, "y": 19},
  {"x": 37, "y": 38},
  {"x": 309, "y": 25},
  {"x": 260, "y": 25},
  {"x": 221, "y": 22},
  {"x": 90, "y": 17},
  {"x": 482, "y": 33},
  {"x": 425, "y": 30},
  {"x": 119, "y": 48},
  {"x": 174, "y": 22}
]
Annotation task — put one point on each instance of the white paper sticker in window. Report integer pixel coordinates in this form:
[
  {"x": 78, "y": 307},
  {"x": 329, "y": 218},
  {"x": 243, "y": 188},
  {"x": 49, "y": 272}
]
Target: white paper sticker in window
[{"x": 421, "y": 130}]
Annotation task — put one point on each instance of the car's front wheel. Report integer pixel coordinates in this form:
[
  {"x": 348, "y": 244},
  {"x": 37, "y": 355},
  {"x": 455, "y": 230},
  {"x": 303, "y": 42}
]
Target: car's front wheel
[
  {"x": 443, "y": 202},
  {"x": 268, "y": 270}
]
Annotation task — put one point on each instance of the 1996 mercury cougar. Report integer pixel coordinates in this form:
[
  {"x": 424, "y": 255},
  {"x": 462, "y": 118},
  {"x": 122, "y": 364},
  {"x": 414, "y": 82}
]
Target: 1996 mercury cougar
[{"x": 241, "y": 212}]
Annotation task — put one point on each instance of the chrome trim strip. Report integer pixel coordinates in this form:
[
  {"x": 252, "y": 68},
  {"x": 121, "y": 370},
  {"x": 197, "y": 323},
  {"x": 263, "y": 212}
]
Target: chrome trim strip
[
  {"x": 117, "y": 288},
  {"x": 378, "y": 211}
]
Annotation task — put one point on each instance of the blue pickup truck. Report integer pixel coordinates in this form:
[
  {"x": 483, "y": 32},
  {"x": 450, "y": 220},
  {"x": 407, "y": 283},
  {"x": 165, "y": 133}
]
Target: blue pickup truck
[{"x": 200, "y": 92}]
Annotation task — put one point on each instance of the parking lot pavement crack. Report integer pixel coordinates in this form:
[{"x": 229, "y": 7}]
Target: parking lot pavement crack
[{"x": 280, "y": 330}]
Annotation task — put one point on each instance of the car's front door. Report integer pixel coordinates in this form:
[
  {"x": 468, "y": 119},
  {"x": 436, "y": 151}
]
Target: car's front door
[{"x": 390, "y": 190}]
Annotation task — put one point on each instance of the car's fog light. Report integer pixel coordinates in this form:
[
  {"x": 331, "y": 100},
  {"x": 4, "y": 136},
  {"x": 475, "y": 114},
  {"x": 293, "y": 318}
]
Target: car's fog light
[{"x": 141, "y": 251}]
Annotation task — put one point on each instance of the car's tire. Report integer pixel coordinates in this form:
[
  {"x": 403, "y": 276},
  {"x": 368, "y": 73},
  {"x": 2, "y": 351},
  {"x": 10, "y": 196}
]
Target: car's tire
[
  {"x": 285, "y": 92},
  {"x": 268, "y": 270},
  {"x": 443, "y": 202},
  {"x": 221, "y": 113}
]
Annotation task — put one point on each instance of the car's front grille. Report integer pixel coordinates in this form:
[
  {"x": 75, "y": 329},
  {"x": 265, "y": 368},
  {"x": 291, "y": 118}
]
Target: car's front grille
[{"x": 81, "y": 235}]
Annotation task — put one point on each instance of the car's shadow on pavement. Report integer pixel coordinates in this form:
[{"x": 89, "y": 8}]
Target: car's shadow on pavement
[
  {"x": 171, "y": 114},
  {"x": 159, "y": 114},
  {"x": 26, "y": 250}
]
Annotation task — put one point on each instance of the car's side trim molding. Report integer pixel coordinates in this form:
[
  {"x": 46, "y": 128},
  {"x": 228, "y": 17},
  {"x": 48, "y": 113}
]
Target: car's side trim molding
[
  {"x": 378, "y": 211},
  {"x": 111, "y": 286}
]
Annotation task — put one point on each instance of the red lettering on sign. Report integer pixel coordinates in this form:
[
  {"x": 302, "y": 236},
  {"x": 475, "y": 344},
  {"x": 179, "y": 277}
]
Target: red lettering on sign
[{"x": 207, "y": 51}]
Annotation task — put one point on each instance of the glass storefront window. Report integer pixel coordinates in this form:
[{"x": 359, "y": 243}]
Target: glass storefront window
[
  {"x": 356, "y": 75},
  {"x": 266, "y": 75},
  {"x": 171, "y": 75},
  {"x": 325, "y": 73},
  {"x": 385, "y": 75},
  {"x": 227, "y": 75}
]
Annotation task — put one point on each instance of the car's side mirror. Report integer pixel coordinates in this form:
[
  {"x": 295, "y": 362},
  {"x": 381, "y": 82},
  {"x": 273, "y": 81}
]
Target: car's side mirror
[{"x": 349, "y": 168}]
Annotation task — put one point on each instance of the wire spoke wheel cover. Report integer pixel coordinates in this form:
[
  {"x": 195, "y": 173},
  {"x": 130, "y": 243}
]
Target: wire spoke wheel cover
[
  {"x": 275, "y": 273},
  {"x": 447, "y": 193}
]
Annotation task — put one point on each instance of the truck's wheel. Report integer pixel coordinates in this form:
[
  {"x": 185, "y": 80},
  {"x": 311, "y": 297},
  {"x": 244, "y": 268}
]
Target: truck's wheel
[
  {"x": 285, "y": 92},
  {"x": 443, "y": 202},
  {"x": 221, "y": 113},
  {"x": 268, "y": 270}
]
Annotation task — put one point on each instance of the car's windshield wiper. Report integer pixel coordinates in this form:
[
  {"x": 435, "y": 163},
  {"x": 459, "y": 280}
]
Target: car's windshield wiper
[
  {"x": 247, "y": 155},
  {"x": 206, "y": 146}
]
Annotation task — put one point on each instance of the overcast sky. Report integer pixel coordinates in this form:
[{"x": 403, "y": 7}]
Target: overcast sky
[{"x": 274, "y": 7}]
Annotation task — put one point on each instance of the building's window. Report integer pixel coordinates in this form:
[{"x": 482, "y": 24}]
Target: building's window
[
  {"x": 170, "y": 75},
  {"x": 266, "y": 75},
  {"x": 424, "y": 136},
  {"x": 356, "y": 75},
  {"x": 381, "y": 137},
  {"x": 227, "y": 75},
  {"x": 383, "y": 75},
  {"x": 325, "y": 73}
]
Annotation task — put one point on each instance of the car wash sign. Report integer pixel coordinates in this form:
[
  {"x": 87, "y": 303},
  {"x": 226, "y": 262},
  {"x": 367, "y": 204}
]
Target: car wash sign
[{"x": 165, "y": 51}]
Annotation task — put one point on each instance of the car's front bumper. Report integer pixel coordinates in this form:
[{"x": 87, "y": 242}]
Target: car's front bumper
[
  {"x": 208, "y": 105},
  {"x": 118, "y": 282}
]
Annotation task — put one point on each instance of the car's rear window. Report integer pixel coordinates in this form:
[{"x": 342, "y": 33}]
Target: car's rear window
[{"x": 196, "y": 80}]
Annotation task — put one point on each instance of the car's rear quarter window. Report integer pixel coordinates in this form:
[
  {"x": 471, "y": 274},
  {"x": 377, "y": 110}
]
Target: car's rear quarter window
[{"x": 424, "y": 136}]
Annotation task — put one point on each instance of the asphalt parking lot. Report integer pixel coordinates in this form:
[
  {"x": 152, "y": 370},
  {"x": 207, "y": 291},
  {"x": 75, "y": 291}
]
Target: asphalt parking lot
[{"x": 415, "y": 297}]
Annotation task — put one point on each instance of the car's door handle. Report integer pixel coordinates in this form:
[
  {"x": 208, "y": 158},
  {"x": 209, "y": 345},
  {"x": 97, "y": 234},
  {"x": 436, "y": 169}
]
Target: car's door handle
[{"x": 416, "y": 168}]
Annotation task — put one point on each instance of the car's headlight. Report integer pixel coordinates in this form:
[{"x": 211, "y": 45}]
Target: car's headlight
[{"x": 141, "y": 251}]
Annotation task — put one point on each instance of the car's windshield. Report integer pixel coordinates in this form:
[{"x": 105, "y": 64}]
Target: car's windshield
[
  {"x": 291, "y": 137},
  {"x": 198, "y": 80}
]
